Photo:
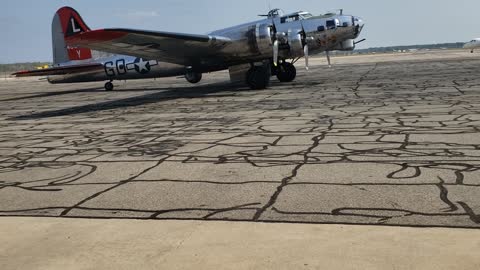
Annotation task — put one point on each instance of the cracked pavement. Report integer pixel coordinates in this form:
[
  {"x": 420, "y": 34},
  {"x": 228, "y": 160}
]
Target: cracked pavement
[{"x": 386, "y": 143}]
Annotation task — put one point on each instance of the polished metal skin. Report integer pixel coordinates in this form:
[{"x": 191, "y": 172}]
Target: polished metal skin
[
  {"x": 120, "y": 67},
  {"x": 269, "y": 42},
  {"x": 293, "y": 31}
]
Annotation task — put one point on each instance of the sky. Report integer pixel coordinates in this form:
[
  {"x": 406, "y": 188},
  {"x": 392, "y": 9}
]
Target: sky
[{"x": 26, "y": 24}]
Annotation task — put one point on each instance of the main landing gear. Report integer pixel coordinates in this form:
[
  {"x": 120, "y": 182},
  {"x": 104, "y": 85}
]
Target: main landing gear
[
  {"x": 193, "y": 77},
  {"x": 109, "y": 86},
  {"x": 286, "y": 72},
  {"x": 258, "y": 77}
]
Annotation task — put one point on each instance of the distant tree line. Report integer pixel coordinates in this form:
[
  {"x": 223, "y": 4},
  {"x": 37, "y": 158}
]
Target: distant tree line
[
  {"x": 11, "y": 68},
  {"x": 440, "y": 46},
  {"x": 456, "y": 45}
]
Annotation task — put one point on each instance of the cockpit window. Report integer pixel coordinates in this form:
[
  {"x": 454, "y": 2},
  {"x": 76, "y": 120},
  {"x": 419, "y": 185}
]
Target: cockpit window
[
  {"x": 288, "y": 19},
  {"x": 296, "y": 17},
  {"x": 306, "y": 15},
  {"x": 346, "y": 21}
]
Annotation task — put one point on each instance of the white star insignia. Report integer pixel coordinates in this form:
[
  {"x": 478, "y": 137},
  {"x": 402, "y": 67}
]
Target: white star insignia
[{"x": 142, "y": 65}]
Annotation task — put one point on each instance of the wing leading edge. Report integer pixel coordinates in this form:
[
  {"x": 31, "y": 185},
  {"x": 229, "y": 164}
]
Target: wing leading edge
[{"x": 183, "y": 49}]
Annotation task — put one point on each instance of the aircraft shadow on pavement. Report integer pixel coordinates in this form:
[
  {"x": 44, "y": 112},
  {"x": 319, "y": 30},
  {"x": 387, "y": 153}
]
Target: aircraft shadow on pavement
[
  {"x": 166, "y": 95},
  {"x": 52, "y": 94}
]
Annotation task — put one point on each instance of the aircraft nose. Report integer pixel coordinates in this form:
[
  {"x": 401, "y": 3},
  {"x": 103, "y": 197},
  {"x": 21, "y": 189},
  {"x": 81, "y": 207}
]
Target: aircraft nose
[{"x": 359, "y": 21}]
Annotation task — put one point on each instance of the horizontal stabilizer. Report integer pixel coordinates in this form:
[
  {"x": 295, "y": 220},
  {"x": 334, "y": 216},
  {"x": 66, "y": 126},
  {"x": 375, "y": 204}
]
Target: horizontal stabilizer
[{"x": 59, "y": 70}]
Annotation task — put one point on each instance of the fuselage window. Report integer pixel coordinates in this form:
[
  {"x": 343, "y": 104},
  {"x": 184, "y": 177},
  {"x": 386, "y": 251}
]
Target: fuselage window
[
  {"x": 331, "y": 24},
  {"x": 321, "y": 28}
]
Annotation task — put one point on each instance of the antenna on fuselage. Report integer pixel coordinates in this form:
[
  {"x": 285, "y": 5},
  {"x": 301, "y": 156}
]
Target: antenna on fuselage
[
  {"x": 267, "y": 3},
  {"x": 276, "y": 12}
]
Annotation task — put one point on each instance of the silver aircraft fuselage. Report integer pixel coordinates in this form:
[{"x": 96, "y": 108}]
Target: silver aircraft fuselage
[
  {"x": 326, "y": 32},
  {"x": 252, "y": 42},
  {"x": 120, "y": 67}
]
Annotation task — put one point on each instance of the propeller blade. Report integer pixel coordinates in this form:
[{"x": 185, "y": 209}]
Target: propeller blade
[
  {"x": 275, "y": 53},
  {"x": 328, "y": 59},
  {"x": 306, "y": 54}
]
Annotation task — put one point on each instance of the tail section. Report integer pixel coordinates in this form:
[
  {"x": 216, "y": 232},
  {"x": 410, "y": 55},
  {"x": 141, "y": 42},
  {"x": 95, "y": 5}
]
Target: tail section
[{"x": 66, "y": 23}]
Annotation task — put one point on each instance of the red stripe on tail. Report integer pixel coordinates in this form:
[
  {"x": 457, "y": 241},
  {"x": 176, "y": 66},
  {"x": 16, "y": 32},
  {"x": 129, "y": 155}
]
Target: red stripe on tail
[{"x": 79, "y": 53}]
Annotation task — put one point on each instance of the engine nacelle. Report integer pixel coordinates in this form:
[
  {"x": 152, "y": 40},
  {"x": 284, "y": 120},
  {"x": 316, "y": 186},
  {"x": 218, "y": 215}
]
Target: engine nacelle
[
  {"x": 346, "y": 45},
  {"x": 260, "y": 39},
  {"x": 295, "y": 42}
]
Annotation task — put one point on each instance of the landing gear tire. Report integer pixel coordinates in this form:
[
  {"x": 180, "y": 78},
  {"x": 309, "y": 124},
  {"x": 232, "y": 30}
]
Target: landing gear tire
[
  {"x": 193, "y": 77},
  {"x": 258, "y": 77},
  {"x": 286, "y": 72},
  {"x": 109, "y": 86}
]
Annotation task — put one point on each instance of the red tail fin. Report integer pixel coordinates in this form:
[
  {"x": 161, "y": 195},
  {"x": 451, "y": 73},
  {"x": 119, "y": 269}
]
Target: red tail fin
[
  {"x": 79, "y": 53},
  {"x": 72, "y": 22},
  {"x": 66, "y": 23}
]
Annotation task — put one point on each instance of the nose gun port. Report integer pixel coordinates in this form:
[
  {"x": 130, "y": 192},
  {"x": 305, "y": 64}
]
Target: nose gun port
[{"x": 358, "y": 22}]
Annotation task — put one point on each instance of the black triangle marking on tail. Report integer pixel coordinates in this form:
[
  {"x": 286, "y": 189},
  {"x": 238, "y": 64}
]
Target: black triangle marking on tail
[{"x": 74, "y": 28}]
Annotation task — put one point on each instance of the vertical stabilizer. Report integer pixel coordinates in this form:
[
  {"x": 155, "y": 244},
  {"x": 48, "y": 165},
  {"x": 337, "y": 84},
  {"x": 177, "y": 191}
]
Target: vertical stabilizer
[{"x": 67, "y": 22}]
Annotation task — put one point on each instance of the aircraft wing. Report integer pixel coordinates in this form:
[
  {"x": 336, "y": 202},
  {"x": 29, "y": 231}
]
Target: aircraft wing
[
  {"x": 60, "y": 70},
  {"x": 183, "y": 49}
]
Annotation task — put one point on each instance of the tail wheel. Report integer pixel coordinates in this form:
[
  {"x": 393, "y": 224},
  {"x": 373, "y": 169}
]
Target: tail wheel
[
  {"x": 286, "y": 72},
  {"x": 109, "y": 86}
]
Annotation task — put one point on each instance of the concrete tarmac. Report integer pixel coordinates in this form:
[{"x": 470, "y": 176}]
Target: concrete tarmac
[
  {"x": 390, "y": 140},
  {"x": 52, "y": 243}
]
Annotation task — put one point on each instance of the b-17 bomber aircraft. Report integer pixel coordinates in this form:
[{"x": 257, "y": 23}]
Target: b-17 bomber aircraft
[
  {"x": 472, "y": 45},
  {"x": 252, "y": 52}
]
